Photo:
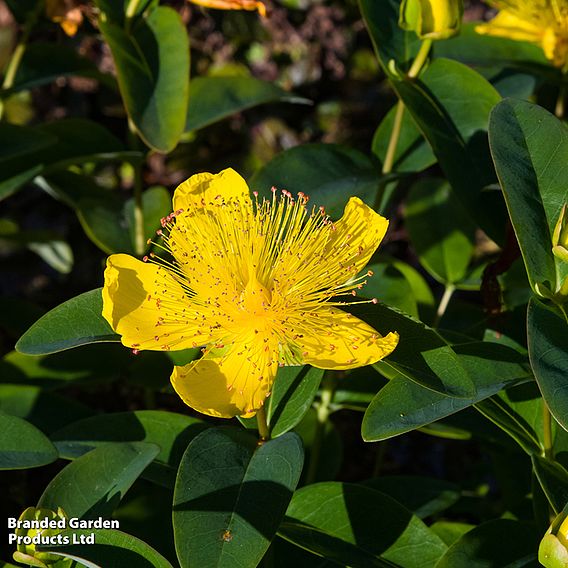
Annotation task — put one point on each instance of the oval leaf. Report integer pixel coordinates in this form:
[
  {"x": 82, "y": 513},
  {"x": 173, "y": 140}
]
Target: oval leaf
[
  {"x": 110, "y": 548},
  {"x": 22, "y": 445},
  {"x": 373, "y": 522},
  {"x": 171, "y": 432},
  {"x": 231, "y": 495},
  {"x": 292, "y": 396},
  {"x": 93, "y": 485},
  {"x": 75, "y": 322},
  {"x": 440, "y": 230},
  {"x": 328, "y": 173},
  {"x": 402, "y": 406},
  {"x": 213, "y": 98},
  {"x": 530, "y": 150},
  {"x": 152, "y": 62},
  {"x": 548, "y": 345}
]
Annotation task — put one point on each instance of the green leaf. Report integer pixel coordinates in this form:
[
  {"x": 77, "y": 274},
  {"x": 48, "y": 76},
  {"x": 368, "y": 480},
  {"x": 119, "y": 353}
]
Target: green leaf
[
  {"x": 110, "y": 548},
  {"x": 22, "y": 445},
  {"x": 46, "y": 410},
  {"x": 548, "y": 344},
  {"x": 95, "y": 363},
  {"x": 152, "y": 62},
  {"x": 389, "y": 39},
  {"x": 231, "y": 495},
  {"x": 499, "y": 412},
  {"x": 328, "y": 173},
  {"x": 501, "y": 542},
  {"x": 530, "y": 150},
  {"x": 422, "y": 355},
  {"x": 413, "y": 153},
  {"x": 17, "y": 141},
  {"x": 75, "y": 322},
  {"x": 491, "y": 366},
  {"x": 450, "y": 532},
  {"x": 391, "y": 285},
  {"x": 214, "y": 98},
  {"x": 330, "y": 446},
  {"x": 348, "y": 514},
  {"x": 169, "y": 431},
  {"x": 471, "y": 48},
  {"x": 45, "y": 62},
  {"x": 553, "y": 479},
  {"x": 441, "y": 231},
  {"x": 454, "y": 117},
  {"x": 94, "y": 484},
  {"x": 423, "y": 496},
  {"x": 292, "y": 396}
]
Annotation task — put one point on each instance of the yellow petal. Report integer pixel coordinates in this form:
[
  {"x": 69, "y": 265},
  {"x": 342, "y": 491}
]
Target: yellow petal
[
  {"x": 506, "y": 24},
  {"x": 204, "y": 188},
  {"x": 355, "y": 239},
  {"x": 146, "y": 305},
  {"x": 334, "y": 339},
  {"x": 234, "y": 385},
  {"x": 233, "y": 5}
]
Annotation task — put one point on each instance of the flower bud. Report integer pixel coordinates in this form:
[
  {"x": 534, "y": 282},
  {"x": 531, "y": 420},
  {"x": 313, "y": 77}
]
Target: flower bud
[
  {"x": 42, "y": 522},
  {"x": 432, "y": 19},
  {"x": 560, "y": 236},
  {"x": 553, "y": 549}
]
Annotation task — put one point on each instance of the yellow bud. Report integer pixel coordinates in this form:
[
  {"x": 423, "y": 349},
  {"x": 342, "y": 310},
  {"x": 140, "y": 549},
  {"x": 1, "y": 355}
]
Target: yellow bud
[
  {"x": 35, "y": 527},
  {"x": 432, "y": 19},
  {"x": 560, "y": 236},
  {"x": 553, "y": 549}
]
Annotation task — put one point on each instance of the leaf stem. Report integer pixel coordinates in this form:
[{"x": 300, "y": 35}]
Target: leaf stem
[
  {"x": 323, "y": 410},
  {"x": 394, "y": 137},
  {"x": 388, "y": 164},
  {"x": 420, "y": 59},
  {"x": 18, "y": 53},
  {"x": 547, "y": 431},
  {"x": 443, "y": 305},
  {"x": 139, "y": 240},
  {"x": 263, "y": 430}
]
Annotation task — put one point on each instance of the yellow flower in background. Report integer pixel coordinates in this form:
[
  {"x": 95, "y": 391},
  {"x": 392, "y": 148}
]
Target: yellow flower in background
[
  {"x": 432, "y": 19},
  {"x": 66, "y": 14},
  {"x": 543, "y": 22},
  {"x": 254, "y": 282},
  {"x": 249, "y": 5}
]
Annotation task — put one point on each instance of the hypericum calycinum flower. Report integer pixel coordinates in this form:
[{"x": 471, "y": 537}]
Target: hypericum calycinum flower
[
  {"x": 249, "y": 5},
  {"x": 543, "y": 22},
  {"x": 432, "y": 19},
  {"x": 254, "y": 283}
]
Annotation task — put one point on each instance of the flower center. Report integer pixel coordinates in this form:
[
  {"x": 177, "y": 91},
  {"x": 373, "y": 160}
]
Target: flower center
[{"x": 255, "y": 299}]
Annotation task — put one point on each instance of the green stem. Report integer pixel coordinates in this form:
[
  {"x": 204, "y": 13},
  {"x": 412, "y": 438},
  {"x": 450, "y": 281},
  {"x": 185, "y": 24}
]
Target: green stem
[
  {"x": 388, "y": 164},
  {"x": 131, "y": 9},
  {"x": 547, "y": 431},
  {"x": 420, "y": 59},
  {"x": 16, "y": 59},
  {"x": 443, "y": 305},
  {"x": 394, "y": 137},
  {"x": 323, "y": 410},
  {"x": 139, "y": 240},
  {"x": 263, "y": 430}
]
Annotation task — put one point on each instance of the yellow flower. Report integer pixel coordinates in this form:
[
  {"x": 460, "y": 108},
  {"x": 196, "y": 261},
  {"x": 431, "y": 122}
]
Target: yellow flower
[
  {"x": 233, "y": 5},
  {"x": 543, "y": 22},
  {"x": 254, "y": 283},
  {"x": 433, "y": 19}
]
